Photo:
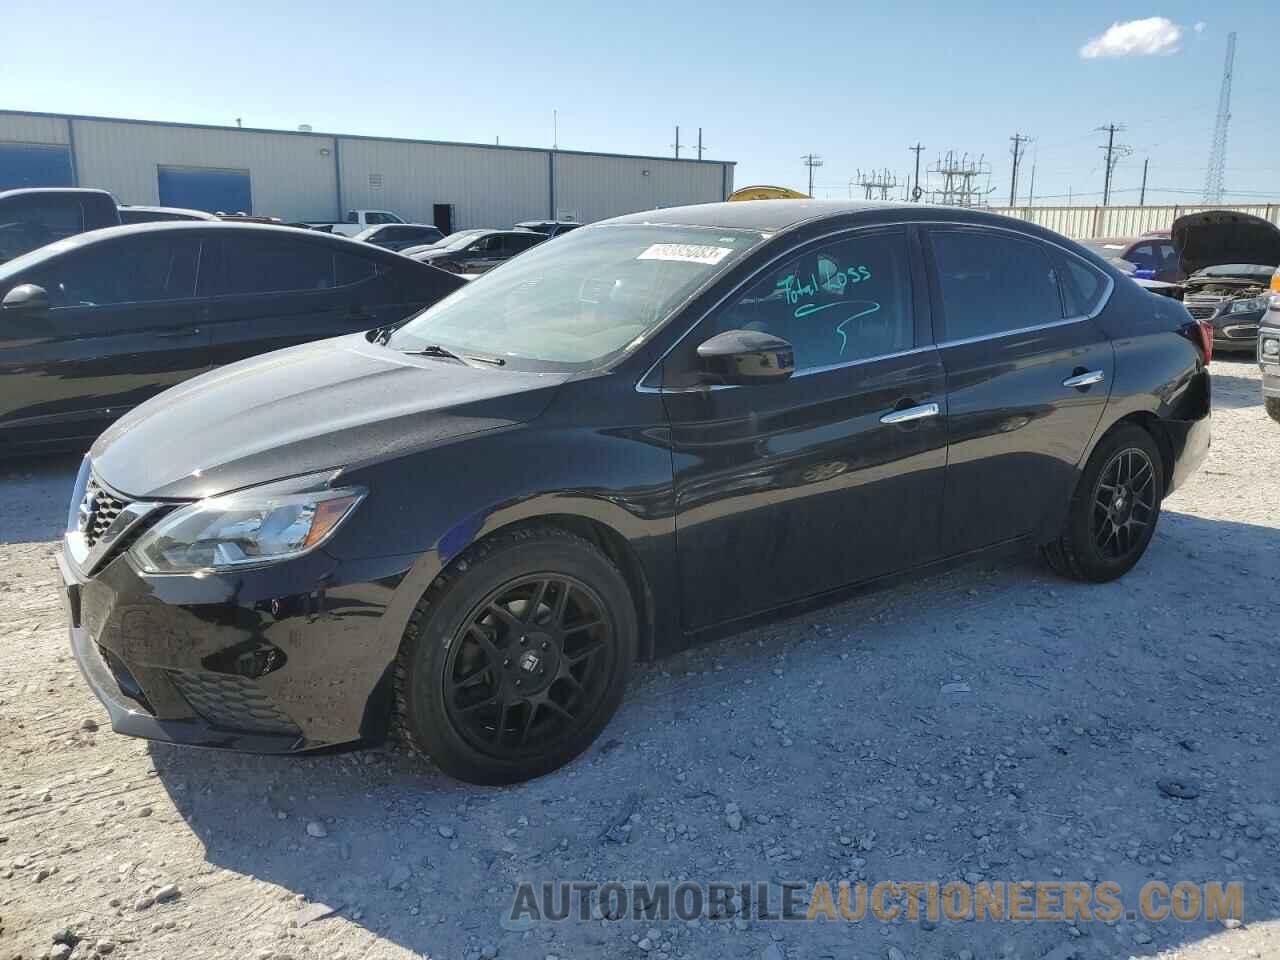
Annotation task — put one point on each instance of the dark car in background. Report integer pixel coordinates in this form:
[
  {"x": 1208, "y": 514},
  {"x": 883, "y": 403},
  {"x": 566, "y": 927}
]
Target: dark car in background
[
  {"x": 634, "y": 436},
  {"x": 136, "y": 213},
  {"x": 1269, "y": 350},
  {"x": 400, "y": 236},
  {"x": 1229, "y": 259},
  {"x": 94, "y": 324},
  {"x": 478, "y": 251},
  {"x": 32, "y": 217},
  {"x": 1153, "y": 257}
]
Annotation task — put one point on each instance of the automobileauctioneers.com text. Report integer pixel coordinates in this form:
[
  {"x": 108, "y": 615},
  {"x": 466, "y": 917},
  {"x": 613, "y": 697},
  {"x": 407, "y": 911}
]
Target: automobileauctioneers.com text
[{"x": 887, "y": 901}]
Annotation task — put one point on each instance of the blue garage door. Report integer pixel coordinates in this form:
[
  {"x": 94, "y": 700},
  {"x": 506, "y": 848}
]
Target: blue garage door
[
  {"x": 204, "y": 188},
  {"x": 34, "y": 165}
]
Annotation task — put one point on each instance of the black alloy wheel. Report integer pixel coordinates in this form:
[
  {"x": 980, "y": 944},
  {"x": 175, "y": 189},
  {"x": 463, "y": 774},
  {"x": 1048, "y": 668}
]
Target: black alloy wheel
[
  {"x": 516, "y": 656},
  {"x": 1114, "y": 511},
  {"x": 530, "y": 662},
  {"x": 1123, "y": 505}
]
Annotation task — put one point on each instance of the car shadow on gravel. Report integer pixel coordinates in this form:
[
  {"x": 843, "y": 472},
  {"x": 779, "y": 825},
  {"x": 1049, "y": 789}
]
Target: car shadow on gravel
[
  {"x": 993, "y": 721},
  {"x": 37, "y": 491}
]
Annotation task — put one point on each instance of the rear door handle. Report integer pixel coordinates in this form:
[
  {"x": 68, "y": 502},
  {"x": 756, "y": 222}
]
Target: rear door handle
[
  {"x": 1087, "y": 379},
  {"x": 911, "y": 413},
  {"x": 177, "y": 334}
]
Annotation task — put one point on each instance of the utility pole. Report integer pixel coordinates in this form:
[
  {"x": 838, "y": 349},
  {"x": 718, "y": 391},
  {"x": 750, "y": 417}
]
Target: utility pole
[
  {"x": 1017, "y": 140},
  {"x": 811, "y": 160},
  {"x": 555, "y": 129},
  {"x": 1114, "y": 152},
  {"x": 916, "y": 192},
  {"x": 699, "y": 143},
  {"x": 677, "y": 143},
  {"x": 1142, "y": 197},
  {"x": 1031, "y": 194}
]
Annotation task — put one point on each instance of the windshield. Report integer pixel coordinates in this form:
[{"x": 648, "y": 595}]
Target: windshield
[
  {"x": 574, "y": 302},
  {"x": 456, "y": 241}
]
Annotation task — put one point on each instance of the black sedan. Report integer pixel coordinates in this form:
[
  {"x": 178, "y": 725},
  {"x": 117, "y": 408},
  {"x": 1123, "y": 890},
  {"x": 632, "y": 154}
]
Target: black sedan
[
  {"x": 653, "y": 429},
  {"x": 95, "y": 324}
]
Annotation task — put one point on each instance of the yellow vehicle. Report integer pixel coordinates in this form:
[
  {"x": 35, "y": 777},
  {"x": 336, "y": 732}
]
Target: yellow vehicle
[{"x": 767, "y": 193}]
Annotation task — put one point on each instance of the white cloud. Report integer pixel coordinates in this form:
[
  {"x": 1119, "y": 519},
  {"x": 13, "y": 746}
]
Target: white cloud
[
  {"x": 1199, "y": 27},
  {"x": 1140, "y": 38}
]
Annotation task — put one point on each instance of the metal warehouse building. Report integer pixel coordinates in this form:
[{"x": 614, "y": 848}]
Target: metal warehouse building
[{"x": 302, "y": 175}]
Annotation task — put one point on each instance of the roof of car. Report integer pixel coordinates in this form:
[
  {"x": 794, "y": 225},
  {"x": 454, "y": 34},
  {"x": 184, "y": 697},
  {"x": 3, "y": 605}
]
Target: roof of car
[
  {"x": 20, "y": 191},
  {"x": 769, "y": 215},
  {"x": 91, "y": 237},
  {"x": 185, "y": 211}
]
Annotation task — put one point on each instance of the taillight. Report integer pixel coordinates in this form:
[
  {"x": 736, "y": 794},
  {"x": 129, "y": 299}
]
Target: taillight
[{"x": 1206, "y": 339}]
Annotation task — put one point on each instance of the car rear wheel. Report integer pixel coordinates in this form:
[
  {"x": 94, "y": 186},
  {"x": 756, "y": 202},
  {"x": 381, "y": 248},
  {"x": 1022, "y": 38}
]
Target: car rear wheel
[
  {"x": 1114, "y": 510},
  {"x": 516, "y": 658},
  {"x": 1273, "y": 408}
]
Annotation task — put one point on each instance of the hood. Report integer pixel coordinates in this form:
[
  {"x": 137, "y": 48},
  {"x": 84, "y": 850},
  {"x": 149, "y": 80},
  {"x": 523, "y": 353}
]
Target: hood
[
  {"x": 1223, "y": 236},
  {"x": 331, "y": 403}
]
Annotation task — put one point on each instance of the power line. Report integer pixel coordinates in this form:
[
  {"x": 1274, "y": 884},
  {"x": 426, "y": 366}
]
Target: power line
[
  {"x": 1114, "y": 152},
  {"x": 812, "y": 161}
]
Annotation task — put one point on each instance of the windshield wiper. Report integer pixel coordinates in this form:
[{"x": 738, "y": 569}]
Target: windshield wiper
[{"x": 433, "y": 350}]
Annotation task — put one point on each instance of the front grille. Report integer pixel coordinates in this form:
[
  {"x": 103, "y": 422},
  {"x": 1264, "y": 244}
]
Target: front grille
[
  {"x": 98, "y": 510},
  {"x": 1202, "y": 306},
  {"x": 231, "y": 703}
]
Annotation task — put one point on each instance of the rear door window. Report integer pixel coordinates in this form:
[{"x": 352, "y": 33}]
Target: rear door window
[
  {"x": 350, "y": 269},
  {"x": 253, "y": 264},
  {"x": 519, "y": 242},
  {"x": 129, "y": 270},
  {"x": 1083, "y": 285},
  {"x": 993, "y": 283}
]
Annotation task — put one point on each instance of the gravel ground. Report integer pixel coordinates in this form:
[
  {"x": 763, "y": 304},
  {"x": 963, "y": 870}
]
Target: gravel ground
[{"x": 995, "y": 723}]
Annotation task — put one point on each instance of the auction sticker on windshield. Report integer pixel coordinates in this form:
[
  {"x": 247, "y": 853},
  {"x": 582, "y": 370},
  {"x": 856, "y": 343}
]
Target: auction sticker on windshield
[{"x": 685, "y": 252}]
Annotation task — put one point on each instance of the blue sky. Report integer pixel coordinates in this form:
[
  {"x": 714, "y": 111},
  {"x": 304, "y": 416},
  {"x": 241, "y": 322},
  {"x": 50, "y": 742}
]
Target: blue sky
[{"x": 767, "y": 82}]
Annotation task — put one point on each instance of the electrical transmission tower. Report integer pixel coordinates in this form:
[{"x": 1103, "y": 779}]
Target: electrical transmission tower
[
  {"x": 1114, "y": 152},
  {"x": 959, "y": 180},
  {"x": 812, "y": 161},
  {"x": 877, "y": 184},
  {"x": 916, "y": 192},
  {"x": 1213, "y": 178}
]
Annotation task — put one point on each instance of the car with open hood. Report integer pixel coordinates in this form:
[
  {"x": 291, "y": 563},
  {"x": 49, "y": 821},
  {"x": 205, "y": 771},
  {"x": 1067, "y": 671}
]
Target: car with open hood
[
  {"x": 1229, "y": 259},
  {"x": 468, "y": 526},
  {"x": 1269, "y": 350}
]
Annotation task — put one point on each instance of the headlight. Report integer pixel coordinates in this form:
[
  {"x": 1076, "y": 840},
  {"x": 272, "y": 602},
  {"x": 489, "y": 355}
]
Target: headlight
[
  {"x": 261, "y": 525},
  {"x": 1271, "y": 348},
  {"x": 1256, "y": 305}
]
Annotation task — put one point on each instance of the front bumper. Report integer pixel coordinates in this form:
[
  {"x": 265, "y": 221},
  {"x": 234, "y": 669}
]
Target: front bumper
[
  {"x": 1271, "y": 367},
  {"x": 280, "y": 659}
]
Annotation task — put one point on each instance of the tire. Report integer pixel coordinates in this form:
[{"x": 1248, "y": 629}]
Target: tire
[
  {"x": 489, "y": 684},
  {"x": 1101, "y": 543},
  {"x": 1273, "y": 408}
]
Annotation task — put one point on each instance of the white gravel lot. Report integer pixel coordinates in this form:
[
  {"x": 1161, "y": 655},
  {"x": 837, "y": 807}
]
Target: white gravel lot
[{"x": 994, "y": 723}]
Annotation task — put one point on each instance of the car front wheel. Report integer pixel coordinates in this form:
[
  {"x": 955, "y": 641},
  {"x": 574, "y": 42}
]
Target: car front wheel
[
  {"x": 516, "y": 657},
  {"x": 1114, "y": 510},
  {"x": 1273, "y": 408}
]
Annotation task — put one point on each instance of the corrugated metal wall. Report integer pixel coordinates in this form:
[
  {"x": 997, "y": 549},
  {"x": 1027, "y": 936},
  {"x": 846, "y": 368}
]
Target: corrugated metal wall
[
  {"x": 295, "y": 176},
  {"x": 291, "y": 177},
  {"x": 488, "y": 188},
  {"x": 592, "y": 188},
  {"x": 1083, "y": 223}
]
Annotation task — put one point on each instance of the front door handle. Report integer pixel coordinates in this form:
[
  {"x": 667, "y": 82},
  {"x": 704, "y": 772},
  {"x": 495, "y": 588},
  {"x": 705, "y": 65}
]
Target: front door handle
[
  {"x": 911, "y": 413},
  {"x": 1087, "y": 379}
]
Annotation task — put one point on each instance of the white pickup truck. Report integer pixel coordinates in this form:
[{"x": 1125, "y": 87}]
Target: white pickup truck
[{"x": 356, "y": 221}]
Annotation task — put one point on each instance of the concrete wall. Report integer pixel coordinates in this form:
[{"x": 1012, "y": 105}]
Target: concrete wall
[{"x": 314, "y": 176}]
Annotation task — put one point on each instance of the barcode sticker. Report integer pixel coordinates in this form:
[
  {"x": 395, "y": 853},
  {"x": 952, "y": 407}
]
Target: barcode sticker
[{"x": 686, "y": 253}]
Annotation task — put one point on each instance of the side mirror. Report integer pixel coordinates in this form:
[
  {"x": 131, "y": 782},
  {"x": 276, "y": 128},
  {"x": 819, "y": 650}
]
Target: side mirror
[
  {"x": 25, "y": 298},
  {"x": 743, "y": 357}
]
